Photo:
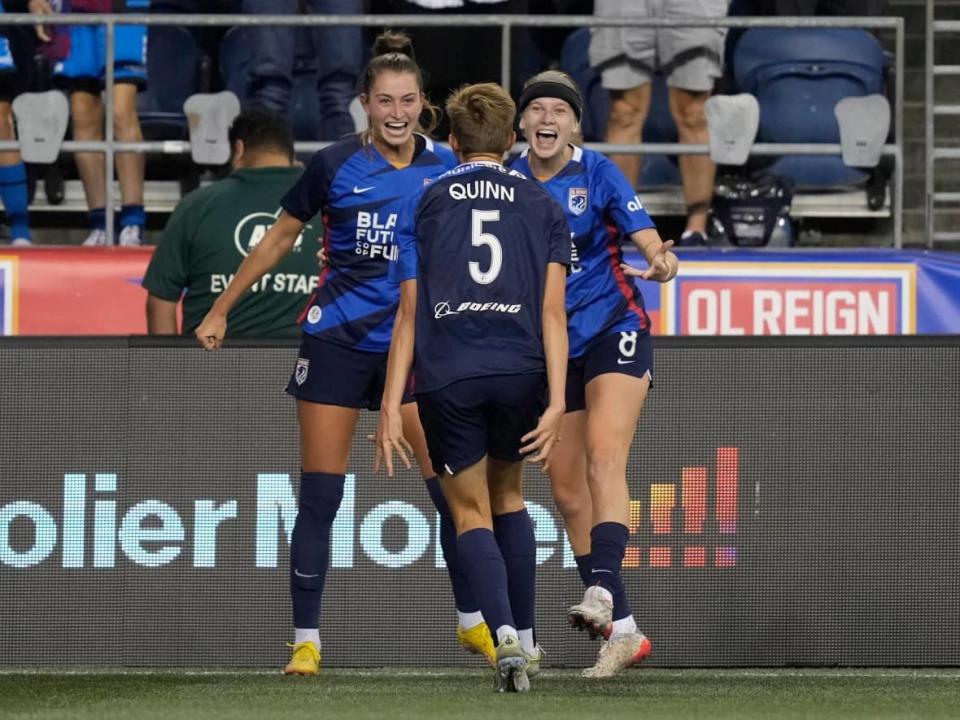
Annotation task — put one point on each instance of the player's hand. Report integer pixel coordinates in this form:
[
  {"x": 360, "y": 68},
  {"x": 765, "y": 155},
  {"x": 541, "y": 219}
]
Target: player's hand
[
  {"x": 541, "y": 440},
  {"x": 662, "y": 267},
  {"x": 211, "y": 331},
  {"x": 42, "y": 7},
  {"x": 389, "y": 438}
]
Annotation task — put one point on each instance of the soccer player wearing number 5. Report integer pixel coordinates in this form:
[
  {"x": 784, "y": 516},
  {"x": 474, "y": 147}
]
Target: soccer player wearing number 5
[
  {"x": 360, "y": 185},
  {"x": 611, "y": 360},
  {"x": 482, "y": 274}
]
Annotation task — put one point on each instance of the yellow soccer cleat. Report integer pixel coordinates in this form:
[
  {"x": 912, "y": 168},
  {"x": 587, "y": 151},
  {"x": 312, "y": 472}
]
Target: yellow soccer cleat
[
  {"x": 304, "y": 661},
  {"x": 477, "y": 640}
]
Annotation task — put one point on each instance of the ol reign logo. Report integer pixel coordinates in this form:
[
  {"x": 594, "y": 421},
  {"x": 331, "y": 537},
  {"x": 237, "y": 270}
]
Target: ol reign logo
[
  {"x": 577, "y": 200},
  {"x": 251, "y": 229},
  {"x": 300, "y": 374}
]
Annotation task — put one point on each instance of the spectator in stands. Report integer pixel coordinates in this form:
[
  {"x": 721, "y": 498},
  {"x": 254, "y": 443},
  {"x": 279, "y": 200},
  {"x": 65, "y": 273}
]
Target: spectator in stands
[
  {"x": 452, "y": 56},
  {"x": 212, "y": 229},
  {"x": 80, "y": 51},
  {"x": 691, "y": 59},
  {"x": 339, "y": 57},
  {"x": 13, "y": 173}
]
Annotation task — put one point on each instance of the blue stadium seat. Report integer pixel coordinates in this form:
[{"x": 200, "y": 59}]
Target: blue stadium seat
[
  {"x": 174, "y": 73},
  {"x": 798, "y": 76},
  {"x": 657, "y": 170}
]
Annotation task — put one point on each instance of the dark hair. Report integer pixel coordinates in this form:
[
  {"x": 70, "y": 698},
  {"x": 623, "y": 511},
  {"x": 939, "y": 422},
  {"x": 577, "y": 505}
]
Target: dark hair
[
  {"x": 481, "y": 118},
  {"x": 393, "y": 52},
  {"x": 262, "y": 129}
]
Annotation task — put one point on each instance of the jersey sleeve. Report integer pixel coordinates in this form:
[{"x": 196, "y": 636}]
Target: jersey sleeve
[
  {"x": 309, "y": 194},
  {"x": 620, "y": 199},
  {"x": 404, "y": 267},
  {"x": 561, "y": 248},
  {"x": 167, "y": 274}
]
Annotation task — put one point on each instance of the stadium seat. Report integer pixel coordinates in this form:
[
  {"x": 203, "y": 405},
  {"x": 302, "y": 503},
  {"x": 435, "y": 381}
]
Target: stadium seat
[
  {"x": 657, "y": 170},
  {"x": 176, "y": 68},
  {"x": 798, "y": 75}
]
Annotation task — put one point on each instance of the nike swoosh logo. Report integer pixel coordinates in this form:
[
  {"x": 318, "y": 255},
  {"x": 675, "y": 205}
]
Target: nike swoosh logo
[
  {"x": 621, "y": 361},
  {"x": 360, "y": 190},
  {"x": 601, "y": 570},
  {"x": 300, "y": 574}
]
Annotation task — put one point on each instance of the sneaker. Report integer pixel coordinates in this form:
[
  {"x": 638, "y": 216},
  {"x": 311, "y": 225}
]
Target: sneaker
[
  {"x": 511, "y": 667},
  {"x": 131, "y": 236},
  {"x": 304, "y": 661},
  {"x": 533, "y": 660},
  {"x": 619, "y": 652},
  {"x": 477, "y": 641},
  {"x": 96, "y": 238},
  {"x": 691, "y": 238},
  {"x": 594, "y": 613},
  {"x": 21, "y": 242}
]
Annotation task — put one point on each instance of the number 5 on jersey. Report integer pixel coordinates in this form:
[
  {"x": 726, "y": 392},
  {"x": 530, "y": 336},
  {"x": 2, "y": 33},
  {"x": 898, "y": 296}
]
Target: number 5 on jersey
[{"x": 478, "y": 238}]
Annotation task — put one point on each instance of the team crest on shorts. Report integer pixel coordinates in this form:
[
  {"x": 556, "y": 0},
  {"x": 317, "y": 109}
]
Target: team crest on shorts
[
  {"x": 315, "y": 314},
  {"x": 300, "y": 374},
  {"x": 577, "y": 200}
]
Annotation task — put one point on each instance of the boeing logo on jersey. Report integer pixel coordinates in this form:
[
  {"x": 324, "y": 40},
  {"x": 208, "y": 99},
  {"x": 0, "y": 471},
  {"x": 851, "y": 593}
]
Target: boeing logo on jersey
[
  {"x": 442, "y": 309},
  {"x": 375, "y": 235},
  {"x": 250, "y": 231},
  {"x": 577, "y": 200}
]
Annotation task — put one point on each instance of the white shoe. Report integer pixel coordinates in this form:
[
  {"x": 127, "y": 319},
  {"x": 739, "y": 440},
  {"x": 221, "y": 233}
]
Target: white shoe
[
  {"x": 533, "y": 660},
  {"x": 594, "y": 612},
  {"x": 22, "y": 242},
  {"x": 96, "y": 238},
  {"x": 619, "y": 652},
  {"x": 130, "y": 236},
  {"x": 511, "y": 667}
]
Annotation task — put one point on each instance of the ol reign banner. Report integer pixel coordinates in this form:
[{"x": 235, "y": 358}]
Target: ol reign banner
[{"x": 792, "y": 502}]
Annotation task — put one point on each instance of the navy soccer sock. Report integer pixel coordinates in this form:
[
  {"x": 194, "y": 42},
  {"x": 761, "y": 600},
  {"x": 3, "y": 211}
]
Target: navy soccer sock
[
  {"x": 483, "y": 565},
  {"x": 462, "y": 596},
  {"x": 608, "y": 543},
  {"x": 514, "y": 533},
  {"x": 13, "y": 193},
  {"x": 583, "y": 567},
  {"x": 97, "y": 218},
  {"x": 132, "y": 215},
  {"x": 320, "y": 496}
]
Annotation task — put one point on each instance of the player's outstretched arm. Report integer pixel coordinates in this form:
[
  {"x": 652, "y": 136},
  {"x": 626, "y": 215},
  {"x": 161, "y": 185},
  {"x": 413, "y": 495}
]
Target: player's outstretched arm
[
  {"x": 662, "y": 263},
  {"x": 389, "y": 435},
  {"x": 274, "y": 246},
  {"x": 542, "y": 439}
]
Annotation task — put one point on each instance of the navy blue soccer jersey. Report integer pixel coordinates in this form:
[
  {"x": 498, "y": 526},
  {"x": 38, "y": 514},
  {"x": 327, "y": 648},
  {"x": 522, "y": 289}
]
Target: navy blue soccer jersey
[
  {"x": 601, "y": 207},
  {"x": 361, "y": 198},
  {"x": 479, "y": 248}
]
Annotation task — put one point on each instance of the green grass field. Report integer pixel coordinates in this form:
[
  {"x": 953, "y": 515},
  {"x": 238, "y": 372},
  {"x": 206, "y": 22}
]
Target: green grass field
[{"x": 556, "y": 695}]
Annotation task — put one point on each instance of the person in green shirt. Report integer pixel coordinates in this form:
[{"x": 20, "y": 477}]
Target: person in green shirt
[{"x": 213, "y": 228}]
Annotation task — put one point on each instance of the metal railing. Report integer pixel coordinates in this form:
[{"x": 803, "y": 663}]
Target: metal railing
[
  {"x": 932, "y": 153},
  {"x": 505, "y": 22}
]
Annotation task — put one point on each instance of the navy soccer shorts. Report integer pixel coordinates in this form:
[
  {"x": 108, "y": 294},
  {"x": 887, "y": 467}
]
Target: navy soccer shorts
[
  {"x": 480, "y": 416},
  {"x": 626, "y": 353},
  {"x": 330, "y": 374}
]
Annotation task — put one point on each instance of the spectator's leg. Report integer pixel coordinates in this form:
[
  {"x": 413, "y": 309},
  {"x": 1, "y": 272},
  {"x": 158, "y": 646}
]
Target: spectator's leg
[
  {"x": 13, "y": 181},
  {"x": 271, "y": 56},
  {"x": 628, "y": 112},
  {"x": 696, "y": 171},
  {"x": 126, "y": 128},
  {"x": 86, "y": 112},
  {"x": 339, "y": 64}
]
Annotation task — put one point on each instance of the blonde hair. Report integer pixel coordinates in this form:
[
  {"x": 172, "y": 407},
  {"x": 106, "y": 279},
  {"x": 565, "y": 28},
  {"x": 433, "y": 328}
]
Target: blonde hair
[{"x": 481, "y": 118}]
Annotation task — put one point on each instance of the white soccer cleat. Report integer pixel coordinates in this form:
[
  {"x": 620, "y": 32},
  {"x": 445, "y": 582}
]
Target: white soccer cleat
[
  {"x": 619, "y": 652},
  {"x": 130, "y": 236},
  {"x": 511, "y": 667},
  {"x": 533, "y": 660},
  {"x": 96, "y": 238},
  {"x": 594, "y": 612}
]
